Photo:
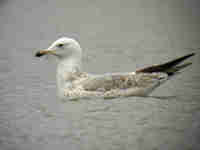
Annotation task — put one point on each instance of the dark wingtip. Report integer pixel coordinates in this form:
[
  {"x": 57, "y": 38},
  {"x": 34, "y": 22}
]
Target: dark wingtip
[
  {"x": 176, "y": 69},
  {"x": 166, "y": 66},
  {"x": 190, "y": 55}
]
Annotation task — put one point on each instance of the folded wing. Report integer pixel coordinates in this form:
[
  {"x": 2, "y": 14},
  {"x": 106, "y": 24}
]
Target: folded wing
[{"x": 151, "y": 76}]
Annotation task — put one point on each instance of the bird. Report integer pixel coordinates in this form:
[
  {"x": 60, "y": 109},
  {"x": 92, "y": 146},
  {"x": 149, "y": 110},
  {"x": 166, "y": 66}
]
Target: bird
[{"x": 73, "y": 83}]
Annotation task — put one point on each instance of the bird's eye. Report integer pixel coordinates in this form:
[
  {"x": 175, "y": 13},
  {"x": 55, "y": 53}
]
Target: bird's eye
[{"x": 60, "y": 45}]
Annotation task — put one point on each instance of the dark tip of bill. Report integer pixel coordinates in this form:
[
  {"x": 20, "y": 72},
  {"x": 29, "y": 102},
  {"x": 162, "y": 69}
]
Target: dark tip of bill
[{"x": 38, "y": 54}]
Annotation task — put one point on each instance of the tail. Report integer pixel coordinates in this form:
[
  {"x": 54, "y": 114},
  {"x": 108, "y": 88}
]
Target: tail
[{"x": 171, "y": 67}]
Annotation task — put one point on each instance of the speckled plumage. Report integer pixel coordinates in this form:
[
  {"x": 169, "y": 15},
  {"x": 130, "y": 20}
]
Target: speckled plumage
[{"x": 113, "y": 85}]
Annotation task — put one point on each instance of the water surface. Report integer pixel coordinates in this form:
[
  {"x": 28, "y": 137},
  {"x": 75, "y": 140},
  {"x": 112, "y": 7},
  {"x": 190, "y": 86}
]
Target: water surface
[{"x": 116, "y": 37}]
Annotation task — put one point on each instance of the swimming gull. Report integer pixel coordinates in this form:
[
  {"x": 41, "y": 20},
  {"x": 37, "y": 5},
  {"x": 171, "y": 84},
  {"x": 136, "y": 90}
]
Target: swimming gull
[{"x": 73, "y": 83}]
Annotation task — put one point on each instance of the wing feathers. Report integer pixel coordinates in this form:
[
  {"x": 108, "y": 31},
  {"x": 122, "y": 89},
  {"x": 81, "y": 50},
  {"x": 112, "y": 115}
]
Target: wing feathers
[
  {"x": 109, "y": 82},
  {"x": 169, "y": 67}
]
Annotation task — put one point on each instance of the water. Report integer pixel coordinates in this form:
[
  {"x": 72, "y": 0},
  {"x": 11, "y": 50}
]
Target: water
[{"x": 117, "y": 37}]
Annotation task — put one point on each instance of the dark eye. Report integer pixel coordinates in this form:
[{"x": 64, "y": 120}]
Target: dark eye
[{"x": 60, "y": 45}]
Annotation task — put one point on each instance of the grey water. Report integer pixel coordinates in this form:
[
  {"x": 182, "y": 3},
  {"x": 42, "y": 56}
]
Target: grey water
[{"x": 116, "y": 36}]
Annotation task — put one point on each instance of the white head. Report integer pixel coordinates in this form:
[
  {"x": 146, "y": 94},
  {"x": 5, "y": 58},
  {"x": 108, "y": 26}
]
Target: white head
[
  {"x": 63, "y": 48},
  {"x": 68, "y": 53}
]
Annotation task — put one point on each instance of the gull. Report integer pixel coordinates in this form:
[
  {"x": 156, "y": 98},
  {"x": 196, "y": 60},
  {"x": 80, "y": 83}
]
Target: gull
[{"x": 73, "y": 83}]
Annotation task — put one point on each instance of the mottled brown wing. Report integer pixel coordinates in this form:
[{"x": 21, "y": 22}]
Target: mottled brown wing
[
  {"x": 109, "y": 81},
  {"x": 122, "y": 81}
]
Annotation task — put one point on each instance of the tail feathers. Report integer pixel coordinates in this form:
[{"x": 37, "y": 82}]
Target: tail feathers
[{"x": 170, "y": 67}]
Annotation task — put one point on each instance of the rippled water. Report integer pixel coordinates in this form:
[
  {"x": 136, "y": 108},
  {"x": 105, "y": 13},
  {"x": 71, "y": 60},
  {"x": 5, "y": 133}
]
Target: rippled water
[{"x": 116, "y": 37}]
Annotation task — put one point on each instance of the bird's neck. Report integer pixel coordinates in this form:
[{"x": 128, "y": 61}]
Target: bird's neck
[
  {"x": 69, "y": 65},
  {"x": 66, "y": 69}
]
